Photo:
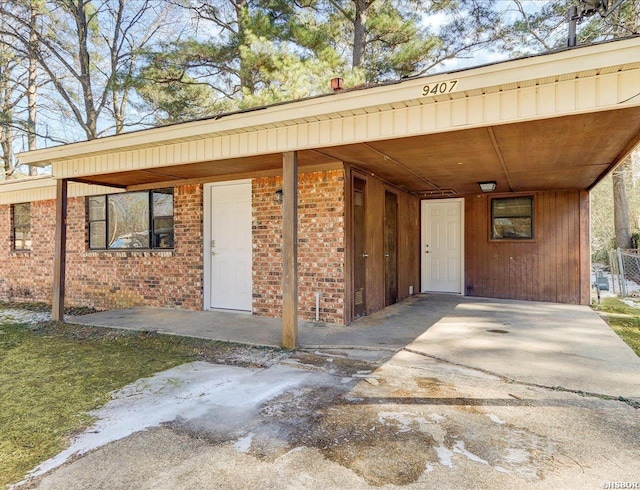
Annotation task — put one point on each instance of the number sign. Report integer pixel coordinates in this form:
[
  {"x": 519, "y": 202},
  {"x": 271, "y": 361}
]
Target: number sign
[{"x": 439, "y": 88}]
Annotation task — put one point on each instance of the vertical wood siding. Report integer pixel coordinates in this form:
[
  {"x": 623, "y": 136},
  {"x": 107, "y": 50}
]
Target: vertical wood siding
[
  {"x": 408, "y": 243},
  {"x": 554, "y": 267}
]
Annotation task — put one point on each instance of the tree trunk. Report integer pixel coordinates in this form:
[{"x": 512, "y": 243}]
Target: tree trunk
[
  {"x": 359, "y": 32},
  {"x": 31, "y": 86},
  {"x": 7, "y": 152},
  {"x": 621, "y": 207},
  {"x": 6, "y": 113},
  {"x": 245, "y": 71},
  {"x": 84, "y": 59}
]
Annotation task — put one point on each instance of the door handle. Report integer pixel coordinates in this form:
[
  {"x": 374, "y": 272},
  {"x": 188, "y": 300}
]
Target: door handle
[
  {"x": 386, "y": 255},
  {"x": 364, "y": 256}
]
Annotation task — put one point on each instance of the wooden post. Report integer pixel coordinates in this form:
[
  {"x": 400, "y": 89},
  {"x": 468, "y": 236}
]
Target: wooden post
[
  {"x": 290, "y": 250},
  {"x": 59, "y": 259}
]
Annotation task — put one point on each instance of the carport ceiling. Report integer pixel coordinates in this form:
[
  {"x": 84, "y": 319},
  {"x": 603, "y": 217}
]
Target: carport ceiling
[{"x": 569, "y": 152}]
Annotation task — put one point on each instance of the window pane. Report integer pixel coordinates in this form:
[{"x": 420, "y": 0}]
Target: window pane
[
  {"x": 163, "y": 233},
  {"x": 129, "y": 220},
  {"x": 519, "y": 206},
  {"x": 512, "y": 228},
  {"x": 22, "y": 214},
  {"x": 97, "y": 235},
  {"x": 97, "y": 208},
  {"x": 22, "y": 237},
  {"x": 163, "y": 202}
]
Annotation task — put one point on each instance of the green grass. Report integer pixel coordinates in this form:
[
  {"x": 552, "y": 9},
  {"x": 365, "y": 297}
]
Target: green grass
[
  {"x": 51, "y": 375},
  {"x": 623, "y": 319}
]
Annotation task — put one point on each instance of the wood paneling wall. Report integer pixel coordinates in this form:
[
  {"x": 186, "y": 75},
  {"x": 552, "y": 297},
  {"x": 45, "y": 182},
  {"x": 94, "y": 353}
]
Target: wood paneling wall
[
  {"x": 554, "y": 267},
  {"x": 374, "y": 202},
  {"x": 408, "y": 242}
]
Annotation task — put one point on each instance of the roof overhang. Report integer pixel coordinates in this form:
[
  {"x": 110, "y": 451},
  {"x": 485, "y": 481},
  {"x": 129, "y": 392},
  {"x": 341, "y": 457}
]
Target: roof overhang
[
  {"x": 554, "y": 121},
  {"x": 43, "y": 188}
]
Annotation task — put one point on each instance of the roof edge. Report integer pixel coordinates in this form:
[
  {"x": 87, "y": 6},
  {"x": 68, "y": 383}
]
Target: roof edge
[{"x": 581, "y": 58}]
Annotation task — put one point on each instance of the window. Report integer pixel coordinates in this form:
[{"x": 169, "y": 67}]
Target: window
[
  {"x": 512, "y": 218},
  {"x": 132, "y": 220},
  {"x": 22, "y": 226}
]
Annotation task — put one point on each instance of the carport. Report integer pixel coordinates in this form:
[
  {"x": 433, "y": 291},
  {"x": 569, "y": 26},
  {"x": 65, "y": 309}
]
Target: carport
[{"x": 555, "y": 124}]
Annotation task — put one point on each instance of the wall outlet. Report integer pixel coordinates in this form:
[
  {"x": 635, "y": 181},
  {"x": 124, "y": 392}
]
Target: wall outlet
[{"x": 410, "y": 290}]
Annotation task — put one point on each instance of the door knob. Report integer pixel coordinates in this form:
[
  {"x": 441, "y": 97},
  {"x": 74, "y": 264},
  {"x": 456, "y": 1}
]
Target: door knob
[{"x": 364, "y": 256}]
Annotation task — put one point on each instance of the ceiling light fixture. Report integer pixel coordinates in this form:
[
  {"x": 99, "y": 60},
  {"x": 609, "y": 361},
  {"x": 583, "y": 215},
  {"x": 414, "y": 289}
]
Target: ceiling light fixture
[{"x": 487, "y": 186}]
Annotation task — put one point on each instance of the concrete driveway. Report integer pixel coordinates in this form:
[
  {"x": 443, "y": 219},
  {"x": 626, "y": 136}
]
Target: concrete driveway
[{"x": 491, "y": 394}]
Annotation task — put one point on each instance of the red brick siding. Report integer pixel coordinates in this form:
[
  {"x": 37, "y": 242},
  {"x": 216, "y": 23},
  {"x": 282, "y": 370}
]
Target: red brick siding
[
  {"x": 107, "y": 279},
  {"x": 121, "y": 279},
  {"x": 28, "y": 276},
  {"x": 320, "y": 246}
]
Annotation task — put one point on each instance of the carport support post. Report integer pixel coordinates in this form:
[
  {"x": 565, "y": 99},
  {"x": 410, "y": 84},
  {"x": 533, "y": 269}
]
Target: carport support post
[
  {"x": 290, "y": 250},
  {"x": 57, "y": 313}
]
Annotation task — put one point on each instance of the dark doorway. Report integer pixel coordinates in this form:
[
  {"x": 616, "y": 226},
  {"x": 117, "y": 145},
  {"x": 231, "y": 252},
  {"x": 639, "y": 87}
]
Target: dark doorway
[
  {"x": 359, "y": 248},
  {"x": 390, "y": 248}
]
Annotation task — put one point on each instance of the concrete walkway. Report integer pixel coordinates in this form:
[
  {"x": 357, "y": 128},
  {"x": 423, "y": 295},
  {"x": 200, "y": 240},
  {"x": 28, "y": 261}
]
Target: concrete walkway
[{"x": 545, "y": 344}]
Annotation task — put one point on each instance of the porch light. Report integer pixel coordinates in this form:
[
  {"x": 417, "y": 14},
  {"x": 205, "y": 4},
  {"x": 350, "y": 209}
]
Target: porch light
[
  {"x": 337, "y": 84},
  {"x": 487, "y": 186},
  {"x": 278, "y": 196}
]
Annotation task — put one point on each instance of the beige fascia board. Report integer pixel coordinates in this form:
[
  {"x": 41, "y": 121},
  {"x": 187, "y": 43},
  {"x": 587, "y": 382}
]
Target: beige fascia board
[
  {"x": 619, "y": 54},
  {"x": 26, "y": 183},
  {"x": 608, "y": 91},
  {"x": 44, "y": 188}
]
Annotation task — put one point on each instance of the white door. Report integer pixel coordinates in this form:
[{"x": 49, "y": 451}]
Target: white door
[
  {"x": 227, "y": 247},
  {"x": 442, "y": 245}
]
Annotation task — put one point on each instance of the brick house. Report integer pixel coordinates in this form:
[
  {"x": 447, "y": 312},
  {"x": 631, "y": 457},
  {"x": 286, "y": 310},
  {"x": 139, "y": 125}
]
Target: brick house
[{"x": 474, "y": 182}]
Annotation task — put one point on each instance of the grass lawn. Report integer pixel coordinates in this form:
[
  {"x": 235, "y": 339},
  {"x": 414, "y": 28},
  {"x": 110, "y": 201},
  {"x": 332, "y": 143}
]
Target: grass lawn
[
  {"x": 52, "y": 374},
  {"x": 623, "y": 319}
]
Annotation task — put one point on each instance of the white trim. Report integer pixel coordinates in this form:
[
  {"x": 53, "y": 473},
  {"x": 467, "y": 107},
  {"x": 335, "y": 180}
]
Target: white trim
[
  {"x": 206, "y": 236},
  {"x": 423, "y": 204}
]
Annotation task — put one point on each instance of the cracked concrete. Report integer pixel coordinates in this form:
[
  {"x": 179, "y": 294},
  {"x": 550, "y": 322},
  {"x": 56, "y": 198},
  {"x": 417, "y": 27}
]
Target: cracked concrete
[
  {"x": 478, "y": 394},
  {"x": 314, "y": 421}
]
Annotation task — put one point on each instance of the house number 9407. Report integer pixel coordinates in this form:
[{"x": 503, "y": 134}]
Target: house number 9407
[{"x": 439, "y": 88}]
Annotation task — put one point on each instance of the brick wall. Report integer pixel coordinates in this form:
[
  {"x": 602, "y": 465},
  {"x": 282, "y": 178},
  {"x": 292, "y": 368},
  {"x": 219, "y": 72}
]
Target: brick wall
[
  {"x": 28, "y": 276},
  {"x": 320, "y": 246},
  {"x": 115, "y": 279},
  {"x": 120, "y": 279}
]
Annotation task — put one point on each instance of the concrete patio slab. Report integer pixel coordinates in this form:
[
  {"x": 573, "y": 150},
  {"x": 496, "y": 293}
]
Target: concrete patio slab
[
  {"x": 553, "y": 345},
  {"x": 387, "y": 330},
  {"x": 546, "y": 344}
]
